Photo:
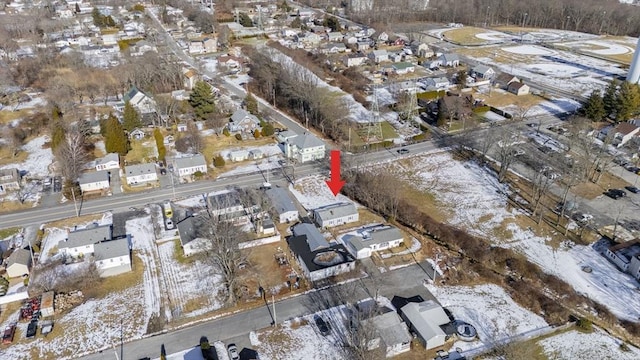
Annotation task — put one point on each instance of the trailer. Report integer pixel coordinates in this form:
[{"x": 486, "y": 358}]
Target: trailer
[
  {"x": 9, "y": 332},
  {"x": 46, "y": 305}
]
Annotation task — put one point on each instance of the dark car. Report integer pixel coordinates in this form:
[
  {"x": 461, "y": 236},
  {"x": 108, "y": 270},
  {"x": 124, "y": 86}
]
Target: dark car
[
  {"x": 32, "y": 329},
  {"x": 322, "y": 326},
  {"x": 403, "y": 151},
  {"x": 208, "y": 351},
  {"x": 615, "y": 193},
  {"x": 632, "y": 189}
]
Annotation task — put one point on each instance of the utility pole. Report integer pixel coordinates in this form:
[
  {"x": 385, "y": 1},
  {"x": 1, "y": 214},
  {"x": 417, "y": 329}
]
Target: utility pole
[
  {"x": 173, "y": 187},
  {"x": 75, "y": 204},
  {"x": 273, "y": 301}
]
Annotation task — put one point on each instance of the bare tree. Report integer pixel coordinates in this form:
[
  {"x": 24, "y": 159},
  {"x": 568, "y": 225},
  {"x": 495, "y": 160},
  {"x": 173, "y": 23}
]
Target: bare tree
[
  {"x": 223, "y": 252},
  {"x": 506, "y": 152},
  {"x": 71, "y": 154}
]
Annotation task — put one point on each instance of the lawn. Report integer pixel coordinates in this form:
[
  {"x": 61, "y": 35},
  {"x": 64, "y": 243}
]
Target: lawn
[
  {"x": 213, "y": 144},
  {"x": 500, "y": 98},
  {"x": 7, "y": 115},
  {"x": 465, "y": 35},
  {"x": 141, "y": 151},
  {"x": 120, "y": 282},
  {"x": 6, "y": 156},
  {"x": 5, "y": 233}
]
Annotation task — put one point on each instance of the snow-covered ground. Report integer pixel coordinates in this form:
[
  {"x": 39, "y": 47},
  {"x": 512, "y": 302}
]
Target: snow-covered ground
[
  {"x": 528, "y": 50},
  {"x": 578, "y": 345},
  {"x": 312, "y": 192},
  {"x": 271, "y": 155},
  {"x": 476, "y": 201},
  {"x": 490, "y": 310},
  {"x": 38, "y": 160}
]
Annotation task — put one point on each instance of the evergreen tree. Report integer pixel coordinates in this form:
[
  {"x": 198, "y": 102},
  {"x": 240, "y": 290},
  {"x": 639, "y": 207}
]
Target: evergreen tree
[
  {"x": 162, "y": 150},
  {"x": 97, "y": 17},
  {"x": 628, "y": 101},
  {"x": 245, "y": 20},
  {"x": 202, "y": 100},
  {"x": 609, "y": 98},
  {"x": 131, "y": 117},
  {"x": 77, "y": 8},
  {"x": 218, "y": 161},
  {"x": 251, "y": 104},
  {"x": 332, "y": 23},
  {"x": 115, "y": 138},
  {"x": 296, "y": 23},
  {"x": 58, "y": 130},
  {"x": 256, "y": 133},
  {"x": 267, "y": 129},
  {"x": 461, "y": 78},
  {"x": 594, "y": 108}
]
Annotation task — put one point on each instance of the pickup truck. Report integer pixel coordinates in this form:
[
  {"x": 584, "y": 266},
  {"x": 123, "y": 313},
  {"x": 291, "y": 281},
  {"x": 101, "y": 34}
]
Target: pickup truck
[{"x": 208, "y": 351}]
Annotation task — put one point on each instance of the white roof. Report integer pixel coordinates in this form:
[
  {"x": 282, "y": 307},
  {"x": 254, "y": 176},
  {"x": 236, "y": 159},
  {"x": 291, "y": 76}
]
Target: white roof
[{"x": 426, "y": 318}]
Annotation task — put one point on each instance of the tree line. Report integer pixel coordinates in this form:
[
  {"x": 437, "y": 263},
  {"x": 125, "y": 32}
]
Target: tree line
[
  {"x": 591, "y": 16},
  {"x": 620, "y": 102}
]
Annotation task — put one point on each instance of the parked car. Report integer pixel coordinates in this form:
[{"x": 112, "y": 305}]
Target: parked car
[
  {"x": 615, "y": 193},
  {"x": 32, "y": 329},
  {"x": 169, "y": 224},
  {"x": 403, "y": 151},
  {"x": 582, "y": 218},
  {"x": 632, "y": 189},
  {"x": 322, "y": 325},
  {"x": 233, "y": 352}
]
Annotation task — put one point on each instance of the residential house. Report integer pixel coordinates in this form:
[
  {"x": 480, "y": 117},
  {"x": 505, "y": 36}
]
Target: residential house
[
  {"x": 181, "y": 127},
  {"x": 634, "y": 267},
  {"x": 109, "y": 38},
  {"x": 355, "y": 59},
  {"x": 140, "y": 101},
  {"x": 210, "y": 44},
  {"x": 9, "y": 180},
  {"x": 230, "y": 62},
  {"x": 425, "y": 319},
  {"x": 395, "y": 40},
  {"x": 283, "y": 205},
  {"x": 379, "y": 56},
  {"x": 421, "y": 49},
  {"x": 243, "y": 121},
  {"x": 363, "y": 45},
  {"x": 403, "y": 68},
  {"x": 81, "y": 242},
  {"x": 438, "y": 82},
  {"x": 504, "y": 80},
  {"x": 108, "y": 162},
  {"x": 141, "y": 174},
  {"x": 113, "y": 257},
  {"x": 432, "y": 64},
  {"x": 238, "y": 155},
  {"x": 266, "y": 226},
  {"x": 18, "y": 263},
  {"x": 288, "y": 33},
  {"x": 351, "y": 40},
  {"x": 482, "y": 72},
  {"x": 396, "y": 56},
  {"x": 373, "y": 239},
  {"x": 624, "y": 132},
  {"x": 190, "y": 78},
  {"x": 623, "y": 254},
  {"x": 310, "y": 39},
  {"x": 333, "y": 48},
  {"x": 323, "y": 262},
  {"x": 255, "y": 154},
  {"x": 142, "y": 47},
  {"x": 94, "y": 181},
  {"x": 196, "y": 47},
  {"x": 335, "y": 36},
  {"x": 336, "y": 215},
  {"x": 137, "y": 134},
  {"x": 315, "y": 239},
  {"x": 382, "y": 37},
  {"x": 390, "y": 332},
  {"x": 283, "y": 136},
  {"x": 518, "y": 88},
  {"x": 226, "y": 203},
  {"x": 451, "y": 60},
  {"x": 189, "y": 240},
  {"x": 304, "y": 148},
  {"x": 189, "y": 165}
]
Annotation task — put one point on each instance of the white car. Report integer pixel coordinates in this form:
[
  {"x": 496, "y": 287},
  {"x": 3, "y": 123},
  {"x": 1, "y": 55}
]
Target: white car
[
  {"x": 233, "y": 352},
  {"x": 169, "y": 224},
  {"x": 583, "y": 218}
]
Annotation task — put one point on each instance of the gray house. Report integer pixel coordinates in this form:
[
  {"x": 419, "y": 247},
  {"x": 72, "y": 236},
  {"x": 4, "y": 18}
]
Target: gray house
[
  {"x": 483, "y": 72},
  {"x": 283, "y": 204},
  {"x": 425, "y": 319},
  {"x": 141, "y": 174},
  {"x": 189, "y": 165},
  {"x": 113, "y": 257},
  {"x": 9, "y": 180},
  {"x": 335, "y": 215},
  {"x": 81, "y": 242},
  {"x": 94, "y": 181},
  {"x": 243, "y": 121},
  {"x": 315, "y": 239}
]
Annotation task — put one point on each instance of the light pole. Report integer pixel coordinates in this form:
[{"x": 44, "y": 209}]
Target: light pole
[
  {"x": 524, "y": 18},
  {"x": 486, "y": 17},
  {"x": 75, "y": 204}
]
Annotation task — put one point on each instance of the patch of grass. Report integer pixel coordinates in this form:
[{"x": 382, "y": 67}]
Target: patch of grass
[
  {"x": 388, "y": 132},
  {"x": 6, "y": 156},
  {"x": 120, "y": 282},
  {"x": 9, "y": 206},
  {"x": 178, "y": 254},
  {"x": 213, "y": 144},
  {"x": 195, "y": 304},
  {"x": 266, "y": 268},
  {"x": 465, "y": 35},
  {"x": 503, "y": 98},
  {"x": 141, "y": 151},
  {"x": 70, "y": 222},
  {"x": 5, "y": 233},
  {"x": 8, "y": 115},
  {"x": 589, "y": 190}
]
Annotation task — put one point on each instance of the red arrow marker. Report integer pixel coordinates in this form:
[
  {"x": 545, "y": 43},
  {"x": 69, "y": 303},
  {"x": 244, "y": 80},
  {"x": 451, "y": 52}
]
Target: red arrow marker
[{"x": 335, "y": 184}]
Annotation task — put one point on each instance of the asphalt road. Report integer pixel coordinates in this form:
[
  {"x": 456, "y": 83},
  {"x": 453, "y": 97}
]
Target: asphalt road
[{"x": 406, "y": 281}]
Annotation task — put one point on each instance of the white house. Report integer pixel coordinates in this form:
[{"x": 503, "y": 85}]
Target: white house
[
  {"x": 402, "y": 68},
  {"x": 438, "y": 82},
  {"x": 140, "y": 174},
  {"x": 108, "y": 162},
  {"x": 322, "y": 263},
  {"x": 634, "y": 267},
  {"x": 18, "y": 263},
  {"x": 196, "y": 47},
  {"x": 391, "y": 333},
  {"x": 379, "y": 56},
  {"x": 283, "y": 204},
  {"x": 189, "y": 240},
  {"x": 483, "y": 72},
  {"x": 304, "y": 148},
  {"x": 623, "y": 254},
  {"x": 335, "y": 36},
  {"x": 624, "y": 132},
  {"x": 518, "y": 88},
  {"x": 335, "y": 215},
  {"x": 113, "y": 257},
  {"x": 189, "y": 165},
  {"x": 9, "y": 180},
  {"x": 373, "y": 239},
  {"x": 94, "y": 181},
  {"x": 363, "y": 45},
  {"x": 451, "y": 60},
  {"x": 355, "y": 59},
  {"x": 283, "y": 136},
  {"x": 140, "y": 101},
  {"x": 425, "y": 319},
  {"x": 81, "y": 242},
  {"x": 421, "y": 49}
]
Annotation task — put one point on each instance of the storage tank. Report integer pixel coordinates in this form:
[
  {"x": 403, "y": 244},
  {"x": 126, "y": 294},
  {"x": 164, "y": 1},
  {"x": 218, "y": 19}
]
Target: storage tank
[{"x": 634, "y": 68}]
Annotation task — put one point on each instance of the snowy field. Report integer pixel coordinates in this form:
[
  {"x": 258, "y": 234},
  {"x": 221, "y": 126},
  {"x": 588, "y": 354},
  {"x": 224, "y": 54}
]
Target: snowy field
[
  {"x": 312, "y": 192},
  {"x": 475, "y": 200},
  {"x": 490, "y": 310},
  {"x": 578, "y": 345},
  {"x": 271, "y": 155},
  {"x": 37, "y": 162}
]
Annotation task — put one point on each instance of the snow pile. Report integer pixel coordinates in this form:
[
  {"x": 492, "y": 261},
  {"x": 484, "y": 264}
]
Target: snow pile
[
  {"x": 578, "y": 345},
  {"x": 528, "y": 50},
  {"x": 38, "y": 160},
  {"x": 312, "y": 192},
  {"x": 490, "y": 310}
]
